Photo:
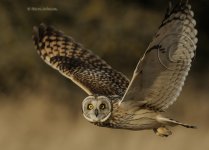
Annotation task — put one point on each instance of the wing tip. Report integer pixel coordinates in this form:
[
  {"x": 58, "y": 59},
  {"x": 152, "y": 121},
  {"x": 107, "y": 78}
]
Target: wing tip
[
  {"x": 180, "y": 6},
  {"x": 38, "y": 33}
]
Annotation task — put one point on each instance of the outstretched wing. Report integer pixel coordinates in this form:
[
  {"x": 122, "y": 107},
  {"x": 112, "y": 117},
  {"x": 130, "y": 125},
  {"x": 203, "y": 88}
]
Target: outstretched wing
[
  {"x": 161, "y": 72},
  {"x": 84, "y": 68}
]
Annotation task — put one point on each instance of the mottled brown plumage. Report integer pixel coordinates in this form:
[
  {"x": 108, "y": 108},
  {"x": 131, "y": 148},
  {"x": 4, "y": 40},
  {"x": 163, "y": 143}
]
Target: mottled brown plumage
[
  {"x": 156, "y": 83},
  {"x": 83, "y": 67}
]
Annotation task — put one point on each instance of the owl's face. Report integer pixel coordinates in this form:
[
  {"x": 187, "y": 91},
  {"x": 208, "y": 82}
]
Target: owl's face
[{"x": 96, "y": 109}]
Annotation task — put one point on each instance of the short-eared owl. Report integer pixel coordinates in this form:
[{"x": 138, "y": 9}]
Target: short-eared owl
[{"x": 157, "y": 81}]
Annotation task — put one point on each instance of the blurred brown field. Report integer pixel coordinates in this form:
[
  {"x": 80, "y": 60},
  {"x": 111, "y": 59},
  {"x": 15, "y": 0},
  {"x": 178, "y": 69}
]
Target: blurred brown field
[{"x": 40, "y": 109}]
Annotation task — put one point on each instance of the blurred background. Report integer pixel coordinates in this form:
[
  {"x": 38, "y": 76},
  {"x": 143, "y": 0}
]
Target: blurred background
[{"x": 41, "y": 109}]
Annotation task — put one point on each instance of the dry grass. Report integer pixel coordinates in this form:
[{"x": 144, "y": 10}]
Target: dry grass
[{"x": 36, "y": 121}]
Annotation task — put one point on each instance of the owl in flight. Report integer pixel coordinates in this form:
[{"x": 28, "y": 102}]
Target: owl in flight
[{"x": 113, "y": 100}]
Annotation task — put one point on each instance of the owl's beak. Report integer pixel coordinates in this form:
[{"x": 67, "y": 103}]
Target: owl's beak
[{"x": 96, "y": 112}]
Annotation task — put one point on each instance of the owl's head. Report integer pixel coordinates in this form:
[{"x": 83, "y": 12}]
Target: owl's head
[{"x": 96, "y": 108}]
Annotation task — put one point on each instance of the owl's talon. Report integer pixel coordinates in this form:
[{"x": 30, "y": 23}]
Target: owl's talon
[{"x": 162, "y": 131}]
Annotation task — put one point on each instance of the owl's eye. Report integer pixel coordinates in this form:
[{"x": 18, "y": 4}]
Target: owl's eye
[
  {"x": 102, "y": 106},
  {"x": 90, "y": 107}
]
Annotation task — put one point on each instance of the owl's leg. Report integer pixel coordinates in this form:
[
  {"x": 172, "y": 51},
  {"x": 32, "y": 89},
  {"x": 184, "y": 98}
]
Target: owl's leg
[{"x": 162, "y": 131}]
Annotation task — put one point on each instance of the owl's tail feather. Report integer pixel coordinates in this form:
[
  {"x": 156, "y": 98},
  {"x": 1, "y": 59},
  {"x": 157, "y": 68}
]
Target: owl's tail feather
[{"x": 172, "y": 122}]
